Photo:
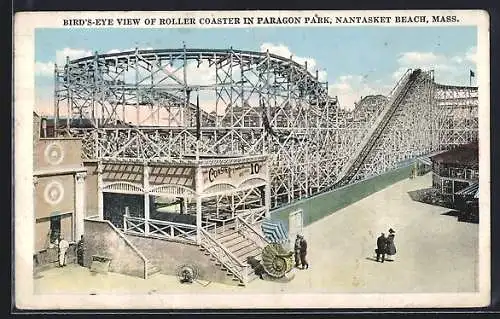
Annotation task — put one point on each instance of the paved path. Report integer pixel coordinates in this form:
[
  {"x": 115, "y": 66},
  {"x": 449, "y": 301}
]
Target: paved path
[{"x": 436, "y": 253}]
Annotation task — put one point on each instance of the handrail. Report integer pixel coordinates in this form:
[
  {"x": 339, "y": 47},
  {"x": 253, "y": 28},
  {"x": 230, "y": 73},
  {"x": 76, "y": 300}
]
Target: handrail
[
  {"x": 397, "y": 85},
  {"x": 252, "y": 229},
  {"x": 208, "y": 225},
  {"x": 239, "y": 273},
  {"x": 223, "y": 248},
  {"x": 126, "y": 240},
  {"x": 223, "y": 221},
  {"x": 253, "y": 212}
]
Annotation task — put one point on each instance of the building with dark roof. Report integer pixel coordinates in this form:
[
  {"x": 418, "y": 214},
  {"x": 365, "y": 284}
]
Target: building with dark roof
[{"x": 456, "y": 169}]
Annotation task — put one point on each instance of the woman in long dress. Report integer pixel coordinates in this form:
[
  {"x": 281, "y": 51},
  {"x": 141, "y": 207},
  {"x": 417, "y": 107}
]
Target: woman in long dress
[{"x": 391, "y": 248}]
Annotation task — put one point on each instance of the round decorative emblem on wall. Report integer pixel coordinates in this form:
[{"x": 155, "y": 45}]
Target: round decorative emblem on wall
[
  {"x": 54, "y": 192},
  {"x": 54, "y": 153}
]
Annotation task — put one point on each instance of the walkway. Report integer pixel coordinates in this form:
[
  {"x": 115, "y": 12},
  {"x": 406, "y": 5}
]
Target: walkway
[{"x": 436, "y": 253}]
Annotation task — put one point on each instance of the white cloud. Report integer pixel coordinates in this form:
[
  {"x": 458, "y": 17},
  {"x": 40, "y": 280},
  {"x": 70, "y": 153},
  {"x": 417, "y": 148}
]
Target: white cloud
[
  {"x": 47, "y": 68},
  {"x": 284, "y": 51},
  {"x": 471, "y": 55},
  {"x": 44, "y": 69},
  {"x": 71, "y": 54},
  {"x": 418, "y": 58},
  {"x": 126, "y": 50},
  {"x": 350, "y": 88},
  {"x": 322, "y": 75},
  {"x": 448, "y": 69}
]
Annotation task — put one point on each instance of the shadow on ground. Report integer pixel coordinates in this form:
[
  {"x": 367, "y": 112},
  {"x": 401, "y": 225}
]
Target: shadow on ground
[
  {"x": 433, "y": 197},
  {"x": 430, "y": 196}
]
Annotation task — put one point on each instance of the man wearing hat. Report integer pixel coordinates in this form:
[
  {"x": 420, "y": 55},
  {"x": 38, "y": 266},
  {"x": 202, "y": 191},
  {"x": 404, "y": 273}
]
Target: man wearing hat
[
  {"x": 381, "y": 247},
  {"x": 296, "y": 250},
  {"x": 303, "y": 253}
]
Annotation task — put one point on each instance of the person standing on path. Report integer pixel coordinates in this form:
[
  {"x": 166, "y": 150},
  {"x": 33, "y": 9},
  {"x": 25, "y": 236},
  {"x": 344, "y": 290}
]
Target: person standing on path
[
  {"x": 381, "y": 247},
  {"x": 303, "y": 253},
  {"x": 296, "y": 250},
  {"x": 80, "y": 251},
  {"x": 391, "y": 248},
  {"x": 63, "y": 248}
]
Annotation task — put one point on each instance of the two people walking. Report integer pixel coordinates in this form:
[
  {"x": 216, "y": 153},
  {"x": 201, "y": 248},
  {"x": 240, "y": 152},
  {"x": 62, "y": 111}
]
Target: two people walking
[
  {"x": 300, "y": 250},
  {"x": 386, "y": 246}
]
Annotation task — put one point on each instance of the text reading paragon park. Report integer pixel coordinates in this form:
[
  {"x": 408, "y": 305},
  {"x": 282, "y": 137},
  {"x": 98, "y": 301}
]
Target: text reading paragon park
[{"x": 271, "y": 20}]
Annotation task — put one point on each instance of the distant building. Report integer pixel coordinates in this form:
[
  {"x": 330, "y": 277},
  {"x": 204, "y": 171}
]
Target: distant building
[{"x": 455, "y": 170}]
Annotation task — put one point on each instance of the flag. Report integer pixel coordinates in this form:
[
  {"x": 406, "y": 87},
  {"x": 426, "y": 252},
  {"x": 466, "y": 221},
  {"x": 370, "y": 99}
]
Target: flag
[{"x": 472, "y": 74}]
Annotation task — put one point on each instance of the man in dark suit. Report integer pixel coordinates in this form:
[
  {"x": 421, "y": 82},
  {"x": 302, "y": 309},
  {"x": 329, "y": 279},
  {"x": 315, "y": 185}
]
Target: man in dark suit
[
  {"x": 296, "y": 250},
  {"x": 381, "y": 247},
  {"x": 303, "y": 253}
]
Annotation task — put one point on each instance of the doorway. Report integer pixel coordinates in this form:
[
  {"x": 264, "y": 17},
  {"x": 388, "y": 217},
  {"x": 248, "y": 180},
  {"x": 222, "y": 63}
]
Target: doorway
[{"x": 295, "y": 224}]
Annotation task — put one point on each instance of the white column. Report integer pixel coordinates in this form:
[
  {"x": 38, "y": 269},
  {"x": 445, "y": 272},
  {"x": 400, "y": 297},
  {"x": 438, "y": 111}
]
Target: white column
[
  {"x": 198, "y": 188},
  {"x": 146, "y": 198},
  {"x": 184, "y": 205},
  {"x": 100, "y": 196},
  {"x": 79, "y": 204}
]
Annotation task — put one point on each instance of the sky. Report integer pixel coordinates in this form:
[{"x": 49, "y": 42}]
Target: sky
[{"x": 356, "y": 61}]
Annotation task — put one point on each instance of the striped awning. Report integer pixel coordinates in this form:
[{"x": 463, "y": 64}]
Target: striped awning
[
  {"x": 471, "y": 190},
  {"x": 274, "y": 231}
]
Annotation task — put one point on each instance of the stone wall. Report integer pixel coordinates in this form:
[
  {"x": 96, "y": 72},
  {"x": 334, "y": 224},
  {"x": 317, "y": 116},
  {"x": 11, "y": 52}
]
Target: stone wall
[
  {"x": 102, "y": 239},
  {"x": 169, "y": 256}
]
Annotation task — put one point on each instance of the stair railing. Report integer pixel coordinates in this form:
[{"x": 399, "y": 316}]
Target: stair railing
[
  {"x": 251, "y": 233},
  {"x": 225, "y": 257}
]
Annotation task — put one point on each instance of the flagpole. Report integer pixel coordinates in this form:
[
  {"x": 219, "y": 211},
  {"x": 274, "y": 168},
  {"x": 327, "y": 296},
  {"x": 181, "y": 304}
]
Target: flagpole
[{"x": 198, "y": 125}]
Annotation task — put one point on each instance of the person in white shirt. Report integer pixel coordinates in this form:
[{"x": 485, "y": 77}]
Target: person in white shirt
[{"x": 63, "y": 248}]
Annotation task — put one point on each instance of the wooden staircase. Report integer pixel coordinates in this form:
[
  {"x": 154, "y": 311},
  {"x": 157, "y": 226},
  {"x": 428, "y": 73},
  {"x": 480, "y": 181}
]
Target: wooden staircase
[
  {"x": 242, "y": 248},
  {"x": 230, "y": 249}
]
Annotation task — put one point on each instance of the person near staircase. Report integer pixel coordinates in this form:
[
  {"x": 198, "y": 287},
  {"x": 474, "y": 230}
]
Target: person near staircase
[{"x": 80, "y": 248}]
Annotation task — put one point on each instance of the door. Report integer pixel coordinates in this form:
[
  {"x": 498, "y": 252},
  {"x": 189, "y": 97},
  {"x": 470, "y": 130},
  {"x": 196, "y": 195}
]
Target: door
[{"x": 295, "y": 224}]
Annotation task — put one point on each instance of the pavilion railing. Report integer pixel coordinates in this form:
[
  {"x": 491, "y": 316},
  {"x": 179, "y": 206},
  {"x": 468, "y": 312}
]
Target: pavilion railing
[
  {"x": 250, "y": 216},
  {"x": 159, "y": 228},
  {"x": 254, "y": 215},
  {"x": 250, "y": 233}
]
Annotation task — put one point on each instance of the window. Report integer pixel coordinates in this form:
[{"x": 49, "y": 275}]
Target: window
[{"x": 55, "y": 228}]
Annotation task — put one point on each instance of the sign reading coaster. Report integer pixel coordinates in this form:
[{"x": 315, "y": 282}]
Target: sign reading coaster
[
  {"x": 54, "y": 192},
  {"x": 234, "y": 175},
  {"x": 54, "y": 153},
  {"x": 230, "y": 171}
]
